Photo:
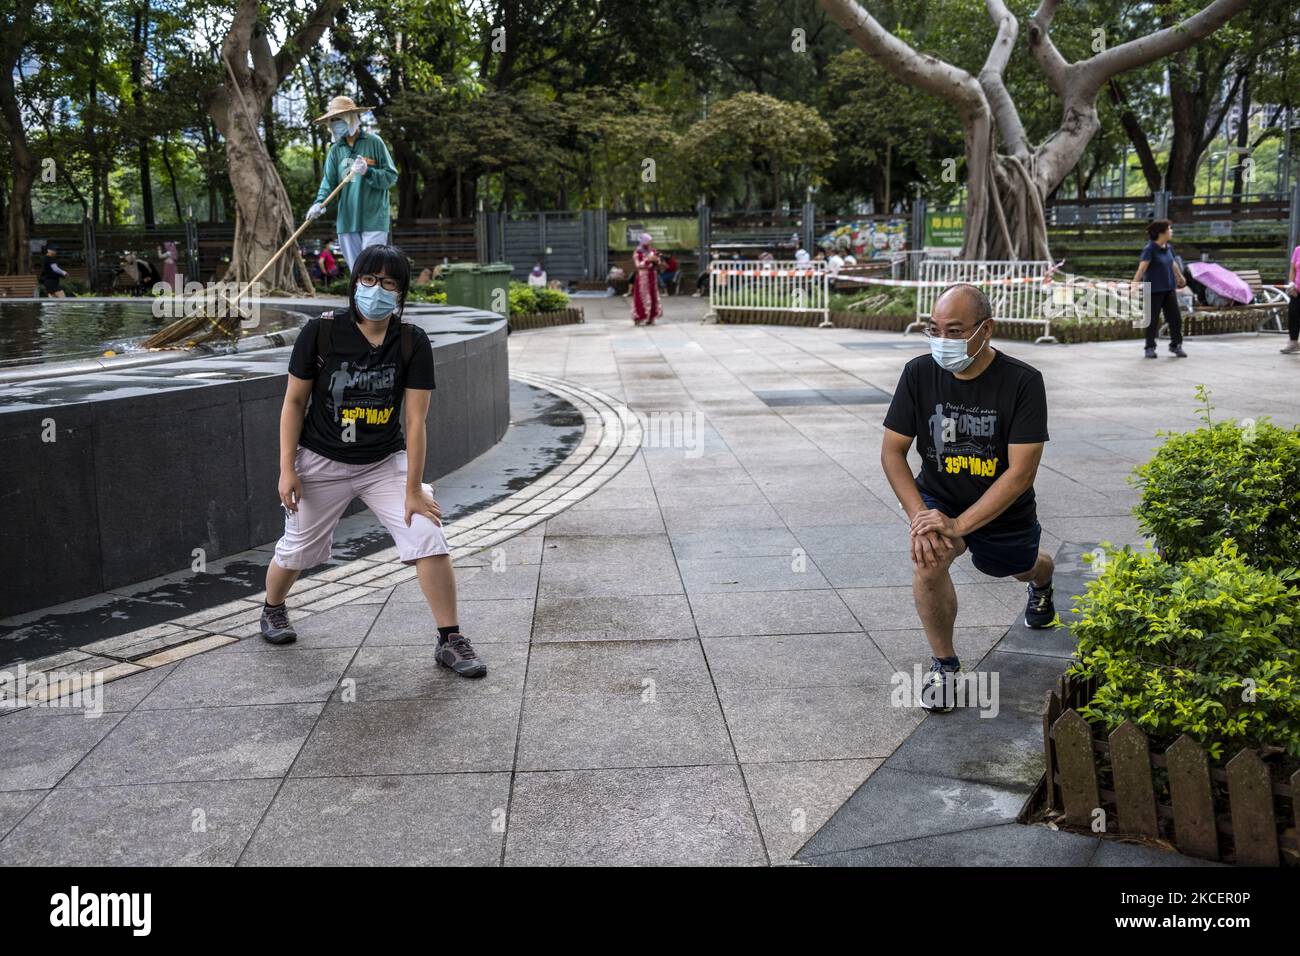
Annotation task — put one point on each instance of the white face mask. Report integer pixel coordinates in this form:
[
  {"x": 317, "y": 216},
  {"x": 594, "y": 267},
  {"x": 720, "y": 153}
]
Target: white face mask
[
  {"x": 951, "y": 354},
  {"x": 342, "y": 127}
]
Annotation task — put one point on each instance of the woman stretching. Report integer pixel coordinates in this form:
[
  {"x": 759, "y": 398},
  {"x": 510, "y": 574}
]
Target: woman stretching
[{"x": 352, "y": 378}]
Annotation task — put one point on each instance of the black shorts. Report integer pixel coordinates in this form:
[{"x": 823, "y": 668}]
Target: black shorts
[{"x": 998, "y": 553}]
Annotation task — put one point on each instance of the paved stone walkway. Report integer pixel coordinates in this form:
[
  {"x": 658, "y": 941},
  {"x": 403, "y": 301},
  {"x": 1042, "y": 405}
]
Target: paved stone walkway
[{"x": 689, "y": 665}]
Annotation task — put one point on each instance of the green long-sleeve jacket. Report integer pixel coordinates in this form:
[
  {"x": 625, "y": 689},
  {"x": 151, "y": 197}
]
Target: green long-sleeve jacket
[{"x": 363, "y": 203}]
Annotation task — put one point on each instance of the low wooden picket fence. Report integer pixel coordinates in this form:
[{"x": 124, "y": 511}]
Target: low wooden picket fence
[
  {"x": 1176, "y": 796},
  {"x": 522, "y": 321}
]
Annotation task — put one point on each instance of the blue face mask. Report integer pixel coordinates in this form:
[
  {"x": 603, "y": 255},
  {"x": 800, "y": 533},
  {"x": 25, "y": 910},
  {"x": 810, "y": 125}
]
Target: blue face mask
[
  {"x": 340, "y": 128},
  {"x": 375, "y": 303},
  {"x": 951, "y": 354}
]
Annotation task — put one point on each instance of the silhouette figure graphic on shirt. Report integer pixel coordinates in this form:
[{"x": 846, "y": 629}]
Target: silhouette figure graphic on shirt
[
  {"x": 937, "y": 427},
  {"x": 338, "y": 384}
]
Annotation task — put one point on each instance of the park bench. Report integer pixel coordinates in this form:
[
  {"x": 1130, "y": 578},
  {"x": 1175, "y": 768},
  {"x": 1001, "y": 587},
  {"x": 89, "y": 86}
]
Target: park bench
[
  {"x": 18, "y": 287},
  {"x": 1268, "y": 306}
]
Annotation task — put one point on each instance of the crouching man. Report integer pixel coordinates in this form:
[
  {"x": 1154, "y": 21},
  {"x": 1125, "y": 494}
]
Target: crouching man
[{"x": 980, "y": 420}]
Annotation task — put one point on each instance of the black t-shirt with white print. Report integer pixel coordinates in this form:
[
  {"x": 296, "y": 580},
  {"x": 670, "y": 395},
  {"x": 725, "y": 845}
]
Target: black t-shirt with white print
[
  {"x": 963, "y": 428},
  {"x": 359, "y": 383}
]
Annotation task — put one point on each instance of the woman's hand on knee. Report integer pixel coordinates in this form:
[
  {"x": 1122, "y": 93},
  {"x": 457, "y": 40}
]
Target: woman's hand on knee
[{"x": 421, "y": 503}]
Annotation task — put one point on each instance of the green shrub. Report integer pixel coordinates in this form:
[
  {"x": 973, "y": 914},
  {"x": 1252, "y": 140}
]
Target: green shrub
[
  {"x": 1224, "y": 481},
  {"x": 433, "y": 292},
  {"x": 1209, "y": 647},
  {"x": 551, "y": 300},
  {"x": 523, "y": 298}
]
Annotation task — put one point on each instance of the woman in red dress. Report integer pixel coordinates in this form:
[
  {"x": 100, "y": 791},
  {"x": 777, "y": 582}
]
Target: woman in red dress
[{"x": 645, "y": 287}]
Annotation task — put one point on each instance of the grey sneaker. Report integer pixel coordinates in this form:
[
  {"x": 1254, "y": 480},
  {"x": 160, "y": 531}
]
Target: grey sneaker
[
  {"x": 458, "y": 654},
  {"x": 939, "y": 689},
  {"x": 1177, "y": 351},
  {"x": 276, "y": 628},
  {"x": 1291, "y": 348},
  {"x": 1151, "y": 353}
]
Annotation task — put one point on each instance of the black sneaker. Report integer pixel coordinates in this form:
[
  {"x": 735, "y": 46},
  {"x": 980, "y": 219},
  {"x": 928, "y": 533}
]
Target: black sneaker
[
  {"x": 276, "y": 628},
  {"x": 939, "y": 689},
  {"x": 1040, "y": 612},
  {"x": 457, "y": 653}
]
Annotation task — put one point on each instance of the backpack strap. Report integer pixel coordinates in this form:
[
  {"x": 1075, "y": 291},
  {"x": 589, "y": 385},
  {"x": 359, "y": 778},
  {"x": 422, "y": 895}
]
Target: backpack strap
[
  {"x": 408, "y": 345},
  {"x": 324, "y": 338}
]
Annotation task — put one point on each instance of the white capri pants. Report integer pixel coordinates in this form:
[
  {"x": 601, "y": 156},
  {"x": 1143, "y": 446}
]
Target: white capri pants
[
  {"x": 354, "y": 242},
  {"x": 329, "y": 486}
]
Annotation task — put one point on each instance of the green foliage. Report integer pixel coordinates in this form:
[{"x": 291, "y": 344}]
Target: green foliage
[
  {"x": 1209, "y": 647},
  {"x": 1224, "y": 481},
  {"x": 752, "y": 132},
  {"x": 525, "y": 299},
  {"x": 884, "y": 301},
  {"x": 432, "y": 293},
  {"x": 551, "y": 300}
]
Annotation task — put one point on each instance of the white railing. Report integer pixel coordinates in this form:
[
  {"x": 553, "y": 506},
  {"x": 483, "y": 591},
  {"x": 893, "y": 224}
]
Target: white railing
[
  {"x": 1016, "y": 290},
  {"x": 796, "y": 287}
]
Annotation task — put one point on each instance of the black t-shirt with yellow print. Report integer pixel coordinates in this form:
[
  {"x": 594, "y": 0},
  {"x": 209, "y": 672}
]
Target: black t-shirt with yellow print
[
  {"x": 355, "y": 412},
  {"x": 963, "y": 427}
]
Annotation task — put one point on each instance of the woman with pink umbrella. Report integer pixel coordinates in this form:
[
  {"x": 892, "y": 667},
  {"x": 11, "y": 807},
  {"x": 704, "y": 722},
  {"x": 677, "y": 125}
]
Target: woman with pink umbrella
[
  {"x": 1293, "y": 307},
  {"x": 1160, "y": 270}
]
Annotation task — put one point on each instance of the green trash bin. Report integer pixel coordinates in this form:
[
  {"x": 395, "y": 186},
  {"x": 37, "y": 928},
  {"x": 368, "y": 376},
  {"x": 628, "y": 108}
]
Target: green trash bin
[
  {"x": 475, "y": 286},
  {"x": 460, "y": 282},
  {"x": 494, "y": 288}
]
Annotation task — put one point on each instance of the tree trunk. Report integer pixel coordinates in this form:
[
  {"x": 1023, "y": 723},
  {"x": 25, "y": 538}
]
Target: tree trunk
[
  {"x": 1243, "y": 142},
  {"x": 1005, "y": 217},
  {"x": 264, "y": 219},
  {"x": 1137, "y": 136},
  {"x": 140, "y": 40},
  {"x": 18, "y": 209},
  {"x": 171, "y": 179}
]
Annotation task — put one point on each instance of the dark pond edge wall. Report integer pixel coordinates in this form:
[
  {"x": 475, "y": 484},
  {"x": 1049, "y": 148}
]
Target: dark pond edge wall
[{"x": 134, "y": 484}]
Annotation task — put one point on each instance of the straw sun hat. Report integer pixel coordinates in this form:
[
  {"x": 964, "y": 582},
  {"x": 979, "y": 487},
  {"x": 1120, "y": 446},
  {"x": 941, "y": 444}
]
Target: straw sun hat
[{"x": 340, "y": 106}]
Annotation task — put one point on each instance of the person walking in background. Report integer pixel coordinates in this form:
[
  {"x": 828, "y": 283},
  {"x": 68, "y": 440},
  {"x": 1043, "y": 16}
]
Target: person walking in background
[
  {"x": 1293, "y": 307},
  {"x": 1158, "y": 269},
  {"x": 645, "y": 286},
  {"x": 52, "y": 275},
  {"x": 168, "y": 255},
  {"x": 353, "y": 426},
  {"x": 537, "y": 277},
  {"x": 363, "y": 216}
]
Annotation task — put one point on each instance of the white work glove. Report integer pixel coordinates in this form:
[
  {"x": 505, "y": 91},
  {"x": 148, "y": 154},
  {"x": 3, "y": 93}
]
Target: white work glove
[
  {"x": 317, "y": 210},
  {"x": 359, "y": 167}
]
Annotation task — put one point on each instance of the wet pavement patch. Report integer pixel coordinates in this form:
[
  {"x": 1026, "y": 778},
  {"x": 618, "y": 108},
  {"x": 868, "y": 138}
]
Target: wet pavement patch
[
  {"x": 544, "y": 431},
  {"x": 824, "y": 396}
]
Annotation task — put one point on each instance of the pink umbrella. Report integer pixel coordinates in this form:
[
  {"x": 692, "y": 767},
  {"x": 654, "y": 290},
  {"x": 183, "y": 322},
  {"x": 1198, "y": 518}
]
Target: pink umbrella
[{"x": 1223, "y": 281}]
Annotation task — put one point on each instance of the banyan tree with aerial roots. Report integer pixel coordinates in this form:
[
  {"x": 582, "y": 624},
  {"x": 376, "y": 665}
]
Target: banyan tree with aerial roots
[{"x": 1008, "y": 178}]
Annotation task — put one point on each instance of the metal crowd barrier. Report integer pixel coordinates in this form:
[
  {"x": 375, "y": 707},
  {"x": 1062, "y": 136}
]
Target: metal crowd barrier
[
  {"x": 774, "y": 286},
  {"x": 1016, "y": 290}
]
